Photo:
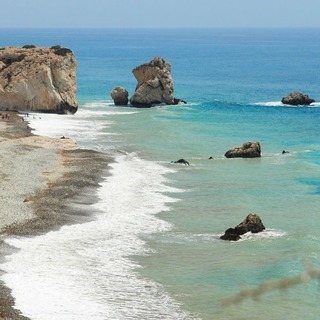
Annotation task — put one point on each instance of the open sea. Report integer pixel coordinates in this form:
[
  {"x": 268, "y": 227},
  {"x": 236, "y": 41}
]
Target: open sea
[{"x": 153, "y": 250}]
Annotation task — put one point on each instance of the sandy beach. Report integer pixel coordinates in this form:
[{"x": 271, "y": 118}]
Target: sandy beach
[{"x": 43, "y": 183}]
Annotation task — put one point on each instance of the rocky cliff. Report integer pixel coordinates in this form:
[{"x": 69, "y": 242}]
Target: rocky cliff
[{"x": 38, "y": 79}]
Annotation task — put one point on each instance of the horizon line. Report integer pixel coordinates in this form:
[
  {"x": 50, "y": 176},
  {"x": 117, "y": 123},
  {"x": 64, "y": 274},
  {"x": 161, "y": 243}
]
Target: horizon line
[{"x": 164, "y": 28}]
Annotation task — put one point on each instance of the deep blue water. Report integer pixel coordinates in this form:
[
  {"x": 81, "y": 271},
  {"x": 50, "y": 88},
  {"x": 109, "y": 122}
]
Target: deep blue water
[{"x": 155, "y": 251}]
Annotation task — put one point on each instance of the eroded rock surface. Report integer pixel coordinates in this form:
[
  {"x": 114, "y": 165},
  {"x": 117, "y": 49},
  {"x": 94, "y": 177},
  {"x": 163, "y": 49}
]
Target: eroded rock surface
[
  {"x": 247, "y": 150},
  {"x": 297, "y": 98},
  {"x": 155, "y": 84},
  {"x": 120, "y": 96},
  {"x": 252, "y": 223},
  {"x": 38, "y": 79}
]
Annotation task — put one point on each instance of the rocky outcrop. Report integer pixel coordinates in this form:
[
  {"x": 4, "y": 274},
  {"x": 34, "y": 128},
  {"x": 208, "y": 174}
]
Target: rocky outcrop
[
  {"x": 297, "y": 98},
  {"x": 120, "y": 96},
  {"x": 247, "y": 150},
  {"x": 252, "y": 223},
  {"x": 38, "y": 79},
  {"x": 155, "y": 84}
]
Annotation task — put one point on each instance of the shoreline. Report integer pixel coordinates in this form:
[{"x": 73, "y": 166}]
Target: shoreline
[{"x": 46, "y": 183}]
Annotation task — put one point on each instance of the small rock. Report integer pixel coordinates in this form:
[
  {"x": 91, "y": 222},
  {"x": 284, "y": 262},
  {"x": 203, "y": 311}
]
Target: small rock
[
  {"x": 62, "y": 51},
  {"x": 182, "y": 161},
  {"x": 120, "y": 96},
  {"x": 252, "y": 223},
  {"x": 29, "y": 46},
  {"x": 297, "y": 98},
  {"x": 247, "y": 150}
]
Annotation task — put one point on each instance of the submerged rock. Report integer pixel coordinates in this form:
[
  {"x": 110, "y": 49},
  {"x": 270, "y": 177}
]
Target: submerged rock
[
  {"x": 38, "y": 79},
  {"x": 181, "y": 161},
  {"x": 155, "y": 84},
  {"x": 120, "y": 96},
  {"x": 297, "y": 98},
  {"x": 247, "y": 150},
  {"x": 252, "y": 223}
]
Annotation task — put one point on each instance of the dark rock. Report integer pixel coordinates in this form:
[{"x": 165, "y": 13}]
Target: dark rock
[
  {"x": 29, "y": 46},
  {"x": 297, "y": 98},
  {"x": 62, "y": 51},
  {"x": 120, "y": 96},
  {"x": 247, "y": 150},
  {"x": 56, "y": 47},
  {"x": 231, "y": 235},
  {"x": 11, "y": 58},
  {"x": 179, "y": 101},
  {"x": 66, "y": 108},
  {"x": 252, "y": 223},
  {"x": 182, "y": 161}
]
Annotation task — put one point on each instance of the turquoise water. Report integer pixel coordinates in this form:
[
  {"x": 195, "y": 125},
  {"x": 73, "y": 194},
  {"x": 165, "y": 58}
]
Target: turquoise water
[{"x": 165, "y": 219}]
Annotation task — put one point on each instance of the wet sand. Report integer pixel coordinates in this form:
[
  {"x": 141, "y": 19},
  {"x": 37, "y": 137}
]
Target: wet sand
[{"x": 45, "y": 183}]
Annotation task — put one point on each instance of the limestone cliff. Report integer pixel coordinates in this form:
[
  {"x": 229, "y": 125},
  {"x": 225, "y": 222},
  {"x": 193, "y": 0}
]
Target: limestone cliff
[
  {"x": 38, "y": 79},
  {"x": 155, "y": 84}
]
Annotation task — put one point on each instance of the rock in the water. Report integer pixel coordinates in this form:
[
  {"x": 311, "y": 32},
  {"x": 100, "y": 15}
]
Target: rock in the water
[
  {"x": 247, "y": 150},
  {"x": 38, "y": 79},
  {"x": 297, "y": 98},
  {"x": 120, "y": 96},
  {"x": 155, "y": 84},
  {"x": 252, "y": 223},
  {"x": 179, "y": 101},
  {"x": 182, "y": 161}
]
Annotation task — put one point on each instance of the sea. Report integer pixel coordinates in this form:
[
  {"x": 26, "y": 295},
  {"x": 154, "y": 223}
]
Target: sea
[{"x": 153, "y": 248}]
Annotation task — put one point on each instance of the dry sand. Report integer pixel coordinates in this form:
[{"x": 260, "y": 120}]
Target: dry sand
[{"x": 43, "y": 183}]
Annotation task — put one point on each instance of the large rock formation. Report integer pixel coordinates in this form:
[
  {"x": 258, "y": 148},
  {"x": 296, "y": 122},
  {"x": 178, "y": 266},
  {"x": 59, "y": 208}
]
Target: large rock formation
[
  {"x": 38, "y": 79},
  {"x": 252, "y": 223},
  {"x": 155, "y": 84},
  {"x": 297, "y": 98},
  {"x": 247, "y": 150},
  {"x": 120, "y": 96}
]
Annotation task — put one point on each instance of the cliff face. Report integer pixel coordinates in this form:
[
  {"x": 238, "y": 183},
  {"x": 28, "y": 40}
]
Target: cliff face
[{"x": 38, "y": 79}]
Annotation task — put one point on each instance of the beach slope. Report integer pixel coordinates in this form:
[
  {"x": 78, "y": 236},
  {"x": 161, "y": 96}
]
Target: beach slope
[{"x": 45, "y": 183}]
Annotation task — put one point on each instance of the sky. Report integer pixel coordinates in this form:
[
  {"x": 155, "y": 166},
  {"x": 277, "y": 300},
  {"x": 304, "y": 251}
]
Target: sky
[{"x": 159, "y": 14}]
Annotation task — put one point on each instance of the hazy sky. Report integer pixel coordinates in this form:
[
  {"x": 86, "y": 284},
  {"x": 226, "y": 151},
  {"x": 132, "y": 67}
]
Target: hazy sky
[{"x": 162, "y": 13}]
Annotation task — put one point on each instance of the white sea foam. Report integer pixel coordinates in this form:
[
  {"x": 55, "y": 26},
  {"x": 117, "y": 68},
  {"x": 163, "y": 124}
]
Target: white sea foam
[
  {"x": 270, "y": 104},
  {"x": 91, "y": 129},
  {"x": 108, "y": 108},
  {"x": 83, "y": 126},
  {"x": 265, "y": 234},
  {"x": 84, "y": 271},
  {"x": 280, "y": 104},
  {"x": 73, "y": 126}
]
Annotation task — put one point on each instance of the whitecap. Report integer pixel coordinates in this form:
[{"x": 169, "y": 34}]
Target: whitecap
[
  {"x": 280, "y": 104},
  {"x": 270, "y": 104},
  {"x": 265, "y": 234},
  {"x": 84, "y": 271}
]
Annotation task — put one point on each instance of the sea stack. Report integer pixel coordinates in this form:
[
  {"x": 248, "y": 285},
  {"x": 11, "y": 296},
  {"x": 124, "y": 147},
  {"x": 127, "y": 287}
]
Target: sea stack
[
  {"x": 155, "y": 84},
  {"x": 38, "y": 79}
]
